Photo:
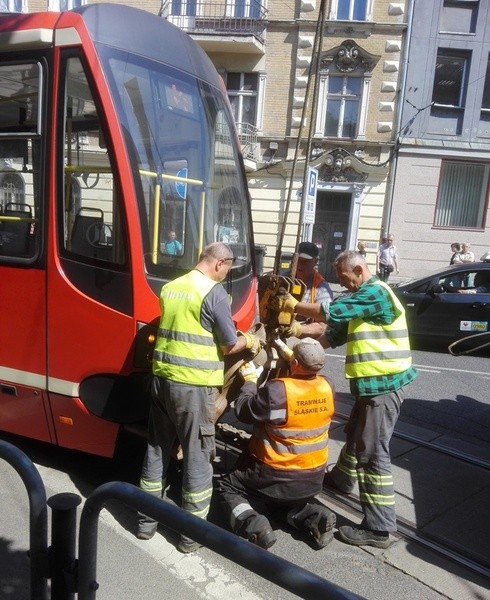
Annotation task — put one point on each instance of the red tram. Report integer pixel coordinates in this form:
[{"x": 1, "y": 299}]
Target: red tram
[{"x": 115, "y": 130}]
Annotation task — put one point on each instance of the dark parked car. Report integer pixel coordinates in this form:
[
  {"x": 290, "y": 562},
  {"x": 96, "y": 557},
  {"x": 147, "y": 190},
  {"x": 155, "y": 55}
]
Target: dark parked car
[{"x": 447, "y": 305}]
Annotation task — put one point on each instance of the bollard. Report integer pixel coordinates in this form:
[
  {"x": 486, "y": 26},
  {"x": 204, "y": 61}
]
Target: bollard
[{"x": 63, "y": 542}]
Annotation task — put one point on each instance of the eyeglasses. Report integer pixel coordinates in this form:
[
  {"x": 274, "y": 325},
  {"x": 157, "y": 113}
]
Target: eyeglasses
[{"x": 233, "y": 259}]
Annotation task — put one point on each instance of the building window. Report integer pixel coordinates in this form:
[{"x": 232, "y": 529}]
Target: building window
[
  {"x": 62, "y": 5},
  {"x": 352, "y": 10},
  {"x": 245, "y": 9},
  {"x": 16, "y": 6},
  {"x": 450, "y": 79},
  {"x": 183, "y": 8},
  {"x": 242, "y": 91},
  {"x": 459, "y": 16},
  {"x": 12, "y": 188},
  {"x": 462, "y": 196},
  {"x": 341, "y": 105},
  {"x": 485, "y": 104},
  {"x": 343, "y": 91},
  {"x": 449, "y": 93}
]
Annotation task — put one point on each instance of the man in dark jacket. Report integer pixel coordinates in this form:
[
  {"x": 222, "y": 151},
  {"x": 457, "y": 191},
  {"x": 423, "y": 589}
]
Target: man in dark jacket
[{"x": 284, "y": 464}]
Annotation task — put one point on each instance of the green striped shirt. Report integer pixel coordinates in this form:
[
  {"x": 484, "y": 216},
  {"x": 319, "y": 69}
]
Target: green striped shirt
[{"x": 373, "y": 304}]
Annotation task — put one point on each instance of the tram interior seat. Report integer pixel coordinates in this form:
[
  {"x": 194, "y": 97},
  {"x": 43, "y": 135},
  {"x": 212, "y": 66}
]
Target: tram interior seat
[
  {"x": 86, "y": 231},
  {"x": 15, "y": 235}
]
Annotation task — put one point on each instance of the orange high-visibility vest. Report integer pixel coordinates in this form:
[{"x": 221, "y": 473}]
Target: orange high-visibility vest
[{"x": 302, "y": 441}]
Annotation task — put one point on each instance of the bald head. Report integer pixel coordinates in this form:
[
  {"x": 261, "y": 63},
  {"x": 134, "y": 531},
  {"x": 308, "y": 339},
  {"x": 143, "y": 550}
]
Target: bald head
[
  {"x": 215, "y": 261},
  {"x": 216, "y": 251}
]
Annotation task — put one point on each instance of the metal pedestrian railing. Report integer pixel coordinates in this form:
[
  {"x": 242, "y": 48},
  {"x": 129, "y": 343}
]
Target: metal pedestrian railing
[
  {"x": 38, "y": 518},
  {"x": 70, "y": 576}
]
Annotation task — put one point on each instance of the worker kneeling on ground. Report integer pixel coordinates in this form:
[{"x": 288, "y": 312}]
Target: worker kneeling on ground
[{"x": 283, "y": 466}]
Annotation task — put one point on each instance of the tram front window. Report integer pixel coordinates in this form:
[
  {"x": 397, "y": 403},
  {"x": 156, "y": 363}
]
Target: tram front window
[{"x": 185, "y": 160}]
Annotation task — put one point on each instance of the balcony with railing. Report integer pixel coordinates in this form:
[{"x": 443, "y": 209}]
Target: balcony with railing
[
  {"x": 218, "y": 25},
  {"x": 247, "y": 135}
]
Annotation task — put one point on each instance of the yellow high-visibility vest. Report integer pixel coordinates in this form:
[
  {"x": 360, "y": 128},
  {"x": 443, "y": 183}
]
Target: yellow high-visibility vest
[
  {"x": 374, "y": 350},
  {"x": 184, "y": 351}
]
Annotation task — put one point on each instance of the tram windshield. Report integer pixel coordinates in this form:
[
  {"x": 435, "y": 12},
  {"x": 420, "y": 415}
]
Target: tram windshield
[{"x": 183, "y": 152}]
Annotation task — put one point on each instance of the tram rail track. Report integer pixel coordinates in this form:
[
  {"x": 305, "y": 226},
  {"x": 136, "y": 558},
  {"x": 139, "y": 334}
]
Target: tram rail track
[
  {"x": 410, "y": 532},
  {"x": 235, "y": 439},
  {"x": 477, "y": 461}
]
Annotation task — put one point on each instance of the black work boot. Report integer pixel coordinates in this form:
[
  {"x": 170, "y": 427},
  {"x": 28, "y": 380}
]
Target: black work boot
[
  {"x": 316, "y": 520},
  {"x": 357, "y": 536},
  {"x": 186, "y": 545},
  {"x": 257, "y": 529}
]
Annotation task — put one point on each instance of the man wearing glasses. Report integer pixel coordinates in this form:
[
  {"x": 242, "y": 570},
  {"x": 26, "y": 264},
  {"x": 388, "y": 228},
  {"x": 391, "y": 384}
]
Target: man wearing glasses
[{"x": 196, "y": 331}]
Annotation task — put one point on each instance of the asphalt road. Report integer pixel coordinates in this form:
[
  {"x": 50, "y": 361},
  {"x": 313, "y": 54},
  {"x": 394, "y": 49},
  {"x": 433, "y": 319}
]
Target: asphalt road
[{"x": 450, "y": 394}]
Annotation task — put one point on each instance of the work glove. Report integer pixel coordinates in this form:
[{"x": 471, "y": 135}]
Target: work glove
[
  {"x": 253, "y": 344},
  {"x": 249, "y": 372},
  {"x": 284, "y": 351},
  {"x": 295, "y": 329},
  {"x": 283, "y": 303}
]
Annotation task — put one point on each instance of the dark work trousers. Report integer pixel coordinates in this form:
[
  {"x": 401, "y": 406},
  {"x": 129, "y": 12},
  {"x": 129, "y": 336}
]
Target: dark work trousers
[
  {"x": 244, "y": 505},
  {"x": 185, "y": 413},
  {"x": 365, "y": 457}
]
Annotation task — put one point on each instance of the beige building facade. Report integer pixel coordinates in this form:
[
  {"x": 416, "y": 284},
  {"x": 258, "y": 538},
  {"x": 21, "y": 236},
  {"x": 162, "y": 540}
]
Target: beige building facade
[{"x": 347, "y": 72}]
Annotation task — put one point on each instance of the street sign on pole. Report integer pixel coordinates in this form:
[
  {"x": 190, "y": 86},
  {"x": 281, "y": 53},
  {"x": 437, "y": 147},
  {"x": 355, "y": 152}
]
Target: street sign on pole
[{"x": 309, "y": 195}]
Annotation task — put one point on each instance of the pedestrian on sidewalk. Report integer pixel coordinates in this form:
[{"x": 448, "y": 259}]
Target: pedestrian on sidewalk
[
  {"x": 387, "y": 258},
  {"x": 465, "y": 256},
  {"x": 283, "y": 467},
  {"x": 456, "y": 251},
  {"x": 371, "y": 321},
  {"x": 196, "y": 330}
]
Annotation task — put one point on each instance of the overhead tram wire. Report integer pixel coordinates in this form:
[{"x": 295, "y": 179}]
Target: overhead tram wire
[{"x": 317, "y": 44}]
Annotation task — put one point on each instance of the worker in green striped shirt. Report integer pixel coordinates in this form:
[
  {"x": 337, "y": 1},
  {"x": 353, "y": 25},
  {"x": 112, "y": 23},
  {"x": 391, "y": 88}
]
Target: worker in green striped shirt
[{"x": 371, "y": 322}]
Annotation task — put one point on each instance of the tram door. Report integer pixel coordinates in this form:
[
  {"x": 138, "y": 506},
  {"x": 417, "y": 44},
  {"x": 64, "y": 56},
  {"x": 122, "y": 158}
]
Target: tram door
[
  {"x": 90, "y": 295},
  {"x": 23, "y": 409},
  {"x": 331, "y": 229}
]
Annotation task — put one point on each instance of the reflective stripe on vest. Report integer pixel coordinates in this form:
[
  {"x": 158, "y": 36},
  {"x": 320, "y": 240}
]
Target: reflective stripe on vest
[
  {"x": 302, "y": 442},
  {"x": 374, "y": 350},
  {"x": 184, "y": 351}
]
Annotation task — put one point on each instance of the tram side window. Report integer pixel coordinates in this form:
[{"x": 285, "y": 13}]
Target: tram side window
[
  {"x": 172, "y": 208},
  {"x": 92, "y": 217},
  {"x": 20, "y": 190},
  {"x": 231, "y": 218}
]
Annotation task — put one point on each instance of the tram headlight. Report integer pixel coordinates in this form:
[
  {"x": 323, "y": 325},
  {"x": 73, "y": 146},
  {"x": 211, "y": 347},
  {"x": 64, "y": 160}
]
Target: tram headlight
[{"x": 144, "y": 344}]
